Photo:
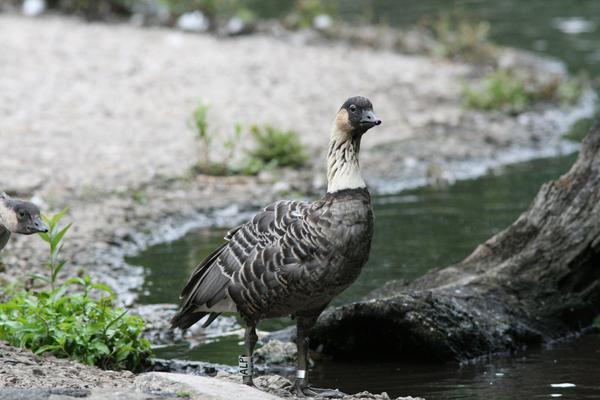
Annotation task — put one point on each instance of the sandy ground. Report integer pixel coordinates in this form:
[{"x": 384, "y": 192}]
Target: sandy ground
[
  {"x": 91, "y": 107},
  {"x": 93, "y": 116}
]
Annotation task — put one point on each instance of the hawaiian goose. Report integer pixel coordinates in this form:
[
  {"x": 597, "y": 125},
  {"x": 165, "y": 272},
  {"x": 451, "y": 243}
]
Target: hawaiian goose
[
  {"x": 18, "y": 216},
  {"x": 294, "y": 257}
]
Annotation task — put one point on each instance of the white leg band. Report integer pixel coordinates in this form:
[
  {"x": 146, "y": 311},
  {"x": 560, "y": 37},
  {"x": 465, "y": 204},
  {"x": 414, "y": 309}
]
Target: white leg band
[
  {"x": 245, "y": 365},
  {"x": 301, "y": 373}
]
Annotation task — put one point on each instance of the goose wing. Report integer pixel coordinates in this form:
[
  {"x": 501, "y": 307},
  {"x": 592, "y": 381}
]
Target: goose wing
[{"x": 253, "y": 266}]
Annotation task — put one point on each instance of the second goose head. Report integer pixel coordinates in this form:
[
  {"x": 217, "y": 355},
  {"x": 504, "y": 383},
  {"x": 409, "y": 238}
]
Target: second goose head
[{"x": 20, "y": 216}]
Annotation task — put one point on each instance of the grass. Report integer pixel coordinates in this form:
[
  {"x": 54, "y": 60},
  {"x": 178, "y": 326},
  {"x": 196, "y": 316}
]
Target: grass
[
  {"x": 504, "y": 90},
  {"x": 221, "y": 155},
  {"x": 459, "y": 37},
  {"x": 74, "y": 318},
  {"x": 303, "y": 13},
  {"x": 274, "y": 148},
  {"x": 498, "y": 90},
  {"x": 579, "y": 130}
]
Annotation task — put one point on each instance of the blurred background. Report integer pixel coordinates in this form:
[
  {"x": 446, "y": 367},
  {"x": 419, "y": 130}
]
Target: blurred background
[{"x": 163, "y": 123}]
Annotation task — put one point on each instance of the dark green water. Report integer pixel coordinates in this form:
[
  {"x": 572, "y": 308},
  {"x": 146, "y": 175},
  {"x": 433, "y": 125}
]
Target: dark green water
[{"x": 415, "y": 231}]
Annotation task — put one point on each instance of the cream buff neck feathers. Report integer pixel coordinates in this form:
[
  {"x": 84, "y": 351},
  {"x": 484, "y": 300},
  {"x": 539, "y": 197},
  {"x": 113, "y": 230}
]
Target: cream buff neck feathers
[
  {"x": 343, "y": 168},
  {"x": 8, "y": 217}
]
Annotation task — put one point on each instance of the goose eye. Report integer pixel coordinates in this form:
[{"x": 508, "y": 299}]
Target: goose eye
[
  {"x": 21, "y": 214},
  {"x": 352, "y": 108}
]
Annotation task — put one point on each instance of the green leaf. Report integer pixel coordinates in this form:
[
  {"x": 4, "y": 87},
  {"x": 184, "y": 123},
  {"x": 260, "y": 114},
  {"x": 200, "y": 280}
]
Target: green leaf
[
  {"x": 48, "y": 347},
  {"x": 103, "y": 287},
  {"x": 57, "y": 217},
  {"x": 39, "y": 277},
  {"x": 62, "y": 233},
  {"x": 100, "y": 347}
]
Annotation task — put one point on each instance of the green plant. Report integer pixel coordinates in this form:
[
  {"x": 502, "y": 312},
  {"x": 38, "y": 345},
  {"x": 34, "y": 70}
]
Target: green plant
[
  {"x": 498, "y": 90},
  {"x": 75, "y": 318},
  {"x": 199, "y": 125},
  {"x": 509, "y": 91},
  {"x": 579, "y": 130},
  {"x": 569, "y": 91},
  {"x": 274, "y": 148},
  {"x": 207, "y": 165},
  {"x": 304, "y": 12},
  {"x": 460, "y": 37}
]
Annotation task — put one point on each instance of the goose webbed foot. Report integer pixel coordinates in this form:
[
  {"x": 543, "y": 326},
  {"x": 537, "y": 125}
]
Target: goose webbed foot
[{"x": 303, "y": 389}]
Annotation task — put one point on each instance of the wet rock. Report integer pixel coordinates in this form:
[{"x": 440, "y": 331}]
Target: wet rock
[
  {"x": 190, "y": 367},
  {"x": 276, "y": 352},
  {"x": 287, "y": 334}
]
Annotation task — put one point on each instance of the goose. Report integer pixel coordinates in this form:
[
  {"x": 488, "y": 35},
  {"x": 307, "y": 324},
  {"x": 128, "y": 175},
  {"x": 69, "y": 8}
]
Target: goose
[
  {"x": 293, "y": 257},
  {"x": 18, "y": 216}
]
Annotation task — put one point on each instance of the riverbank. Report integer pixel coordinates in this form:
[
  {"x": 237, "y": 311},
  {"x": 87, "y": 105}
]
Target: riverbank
[
  {"x": 26, "y": 376},
  {"x": 94, "y": 117}
]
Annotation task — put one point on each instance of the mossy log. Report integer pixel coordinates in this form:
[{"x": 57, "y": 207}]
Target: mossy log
[{"x": 537, "y": 281}]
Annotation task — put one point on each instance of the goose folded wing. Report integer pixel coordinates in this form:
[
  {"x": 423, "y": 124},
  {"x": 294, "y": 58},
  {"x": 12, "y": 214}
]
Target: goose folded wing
[{"x": 252, "y": 256}]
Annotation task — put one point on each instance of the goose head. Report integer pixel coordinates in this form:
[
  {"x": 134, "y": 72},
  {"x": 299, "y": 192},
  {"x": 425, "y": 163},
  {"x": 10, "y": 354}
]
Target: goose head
[
  {"x": 356, "y": 116},
  {"x": 20, "y": 216}
]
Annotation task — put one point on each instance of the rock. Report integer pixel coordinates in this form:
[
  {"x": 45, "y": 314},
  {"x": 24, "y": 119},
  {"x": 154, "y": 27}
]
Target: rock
[
  {"x": 276, "y": 352},
  {"x": 214, "y": 389},
  {"x": 112, "y": 394},
  {"x": 323, "y": 22},
  {"x": 281, "y": 187},
  {"x": 191, "y": 367},
  {"x": 41, "y": 394},
  {"x": 238, "y": 26},
  {"x": 33, "y": 8},
  {"x": 287, "y": 334},
  {"x": 194, "y": 21}
]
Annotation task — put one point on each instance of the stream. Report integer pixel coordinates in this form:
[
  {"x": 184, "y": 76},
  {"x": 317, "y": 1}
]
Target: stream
[{"x": 416, "y": 230}]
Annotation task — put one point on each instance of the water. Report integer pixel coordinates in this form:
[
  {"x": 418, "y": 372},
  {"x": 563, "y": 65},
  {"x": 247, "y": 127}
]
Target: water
[{"x": 415, "y": 231}]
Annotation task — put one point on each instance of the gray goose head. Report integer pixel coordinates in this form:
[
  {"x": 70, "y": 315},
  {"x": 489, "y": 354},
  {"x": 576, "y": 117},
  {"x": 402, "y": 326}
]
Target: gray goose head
[
  {"x": 20, "y": 216},
  {"x": 353, "y": 120}
]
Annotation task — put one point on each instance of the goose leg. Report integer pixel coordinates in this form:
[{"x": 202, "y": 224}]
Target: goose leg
[
  {"x": 301, "y": 386},
  {"x": 245, "y": 361}
]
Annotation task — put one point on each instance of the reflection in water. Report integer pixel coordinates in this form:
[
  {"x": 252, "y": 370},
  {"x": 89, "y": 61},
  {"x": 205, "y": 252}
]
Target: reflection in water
[
  {"x": 415, "y": 231},
  {"x": 528, "y": 376}
]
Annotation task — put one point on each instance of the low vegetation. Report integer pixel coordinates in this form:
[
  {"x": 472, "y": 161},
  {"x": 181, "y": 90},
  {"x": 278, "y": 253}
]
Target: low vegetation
[
  {"x": 221, "y": 154},
  {"x": 579, "y": 130},
  {"x": 74, "y": 318},
  {"x": 459, "y": 37},
  {"x": 274, "y": 149},
  {"x": 506, "y": 91}
]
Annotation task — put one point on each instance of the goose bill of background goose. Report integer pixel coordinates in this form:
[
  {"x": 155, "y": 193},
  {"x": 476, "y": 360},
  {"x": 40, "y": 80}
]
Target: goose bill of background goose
[
  {"x": 18, "y": 216},
  {"x": 294, "y": 257}
]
